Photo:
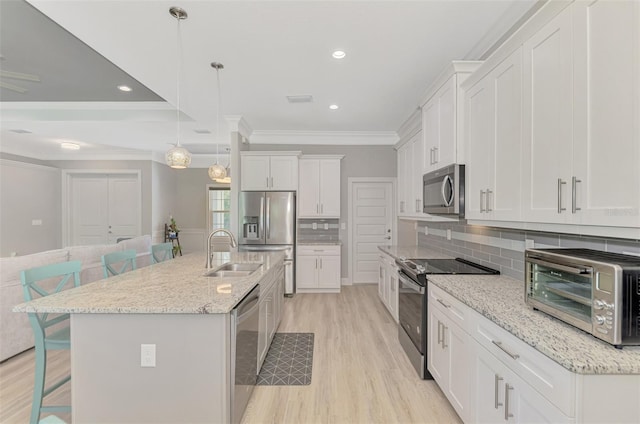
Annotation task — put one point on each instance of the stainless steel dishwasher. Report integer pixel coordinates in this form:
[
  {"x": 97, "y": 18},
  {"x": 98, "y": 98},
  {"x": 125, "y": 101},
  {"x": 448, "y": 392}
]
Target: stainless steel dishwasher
[{"x": 244, "y": 352}]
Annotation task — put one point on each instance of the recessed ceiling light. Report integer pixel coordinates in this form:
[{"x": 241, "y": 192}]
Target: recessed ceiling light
[
  {"x": 339, "y": 54},
  {"x": 333, "y": 107},
  {"x": 125, "y": 88},
  {"x": 70, "y": 146}
]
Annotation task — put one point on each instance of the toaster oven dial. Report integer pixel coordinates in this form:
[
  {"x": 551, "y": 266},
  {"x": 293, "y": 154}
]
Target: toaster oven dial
[
  {"x": 599, "y": 319},
  {"x": 598, "y": 304}
]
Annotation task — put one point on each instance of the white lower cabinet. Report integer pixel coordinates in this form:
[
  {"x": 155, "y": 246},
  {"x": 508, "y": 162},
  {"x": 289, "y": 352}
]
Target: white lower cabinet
[
  {"x": 271, "y": 302},
  {"x": 491, "y": 376},
  {"x": 501, "y": 396},
  {"x": 388, "y": 284},
  {"x": 318, "y": 269}
]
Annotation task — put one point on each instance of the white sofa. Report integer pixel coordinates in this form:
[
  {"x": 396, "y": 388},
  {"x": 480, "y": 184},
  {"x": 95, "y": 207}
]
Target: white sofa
[{"x": 16, "y": 334}]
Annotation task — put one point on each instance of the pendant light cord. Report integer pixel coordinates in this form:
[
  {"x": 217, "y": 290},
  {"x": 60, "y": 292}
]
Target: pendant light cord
[
  {"x": 178, "y": 74},
  {"x": 218, "y": 116}
]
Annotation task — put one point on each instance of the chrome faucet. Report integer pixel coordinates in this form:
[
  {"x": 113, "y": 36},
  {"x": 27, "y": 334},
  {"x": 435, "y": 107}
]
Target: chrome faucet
[{"x": 232, "y": 243}]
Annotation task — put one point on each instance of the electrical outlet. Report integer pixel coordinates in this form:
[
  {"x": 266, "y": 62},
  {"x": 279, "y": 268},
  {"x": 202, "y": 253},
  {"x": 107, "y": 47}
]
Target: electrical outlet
[
  {"x": 448, "y": 234},
  {"x": 326, "y": 225},
  {"x": 36, "y": 222},
  {"x": 147, "y": 355},
  {"x": 426, "y": 230},
  {"x": 314, "y": 226}
]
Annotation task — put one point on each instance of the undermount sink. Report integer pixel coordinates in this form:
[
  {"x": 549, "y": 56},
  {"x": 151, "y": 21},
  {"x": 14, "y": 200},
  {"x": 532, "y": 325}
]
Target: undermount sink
[{"x": 232, "y": 269}]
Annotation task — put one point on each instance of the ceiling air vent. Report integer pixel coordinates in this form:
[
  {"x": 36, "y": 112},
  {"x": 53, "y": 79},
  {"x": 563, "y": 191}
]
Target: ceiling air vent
[
  {"x": 305, "y": 98},
  {"x": 202, "y": 131}
]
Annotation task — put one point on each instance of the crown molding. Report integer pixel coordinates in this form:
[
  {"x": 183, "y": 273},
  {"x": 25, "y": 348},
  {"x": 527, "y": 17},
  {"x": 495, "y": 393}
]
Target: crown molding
[
  {"x": 360, "y": 138},
  {"x": 236, "y": 123},
  {"x": 21, "y": 150},
  {"x": 411, "y": 126}
]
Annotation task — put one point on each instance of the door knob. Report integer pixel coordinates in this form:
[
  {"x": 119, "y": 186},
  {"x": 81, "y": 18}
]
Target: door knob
[{"x": 388, "y": 237}]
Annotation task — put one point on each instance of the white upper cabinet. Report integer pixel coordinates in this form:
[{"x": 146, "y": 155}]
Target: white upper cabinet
[
  {"x": 493, "y": 143},
  {"x": 269, "y": 171},
  {"x": 547, "y": 135},
  {"x": 319, "y": 192},
  {"x": 442, "y": 120},
  {"x": 606, "y": 130}
]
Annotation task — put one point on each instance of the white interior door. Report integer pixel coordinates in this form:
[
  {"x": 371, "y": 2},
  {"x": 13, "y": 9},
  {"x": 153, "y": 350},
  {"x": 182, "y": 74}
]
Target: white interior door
[
  {"x": 371, "y": 226},
  {"x": 88, "y": 210},
  {"x": 102, "y": 207}
]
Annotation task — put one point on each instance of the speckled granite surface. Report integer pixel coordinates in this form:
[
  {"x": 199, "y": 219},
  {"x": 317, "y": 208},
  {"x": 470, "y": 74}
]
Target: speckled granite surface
[
  {"x": 315, "y": 243},
  {"x": 501, "y": 299},
  {"x": 412, "y": 252},
  {"x": 172, "y": 287}
]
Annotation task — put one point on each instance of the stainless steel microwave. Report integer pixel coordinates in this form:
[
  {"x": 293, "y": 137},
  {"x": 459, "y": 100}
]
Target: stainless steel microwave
[
  {"x": 598, "y": 292},
  {"x": 443, "y": 191}
]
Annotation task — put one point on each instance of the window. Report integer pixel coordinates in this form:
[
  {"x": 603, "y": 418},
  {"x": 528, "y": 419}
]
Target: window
[{"x": 219, "y": 209}]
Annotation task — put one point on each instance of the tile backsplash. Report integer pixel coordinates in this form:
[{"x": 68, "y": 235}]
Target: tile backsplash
[
  {"x": 503, "y": 249},
  {"x": 318, "y": 230}
]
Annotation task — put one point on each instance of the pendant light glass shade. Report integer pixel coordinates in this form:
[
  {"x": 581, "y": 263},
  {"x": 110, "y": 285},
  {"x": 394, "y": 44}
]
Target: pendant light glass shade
[
  {"x": 178, "y": 157},
  {"x": 217, "y": 172}
]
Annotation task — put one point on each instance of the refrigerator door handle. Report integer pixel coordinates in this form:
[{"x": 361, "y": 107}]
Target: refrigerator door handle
[
  {"x": 268, "y": 219},
  {"x": 261, "y": 218}
]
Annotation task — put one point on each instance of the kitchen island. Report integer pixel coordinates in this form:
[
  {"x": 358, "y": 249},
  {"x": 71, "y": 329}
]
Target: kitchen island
[{"x": 183, "y": 314}]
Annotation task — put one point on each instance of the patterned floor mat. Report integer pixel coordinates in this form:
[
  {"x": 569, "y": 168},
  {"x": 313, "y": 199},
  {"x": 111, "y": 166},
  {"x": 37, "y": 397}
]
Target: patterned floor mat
[{"x": 289, "y": 361}]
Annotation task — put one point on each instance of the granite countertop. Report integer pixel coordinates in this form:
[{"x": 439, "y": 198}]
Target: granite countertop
[
  {"x": 501, "y": 300},
  {"x": 177, "y": 286},
  {"x": 319, "y": 242},
  {"x": 413, "y": 252}
]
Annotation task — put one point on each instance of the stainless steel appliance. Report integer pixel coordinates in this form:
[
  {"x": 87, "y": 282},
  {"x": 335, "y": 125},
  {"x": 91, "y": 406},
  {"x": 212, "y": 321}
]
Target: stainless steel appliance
[
  {"x": 443, "y": 191},
  {"x": 412, "y": 302},
  {"x": 244, "y": 352},
  {"x": 598, "y": 292},
  {"x": 268, "y": 223}
]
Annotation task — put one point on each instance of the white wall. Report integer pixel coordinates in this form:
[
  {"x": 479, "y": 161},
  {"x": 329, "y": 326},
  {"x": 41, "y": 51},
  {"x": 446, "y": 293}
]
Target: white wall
[
  {"x": 359, "y": 161},
  {"x": 163, "y": 190},
  {"x": 29, "y": 192}
]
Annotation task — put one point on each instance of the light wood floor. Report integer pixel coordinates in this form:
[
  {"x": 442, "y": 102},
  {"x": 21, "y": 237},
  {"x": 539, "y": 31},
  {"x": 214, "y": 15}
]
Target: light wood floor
[{"x": 360, "y": 372}]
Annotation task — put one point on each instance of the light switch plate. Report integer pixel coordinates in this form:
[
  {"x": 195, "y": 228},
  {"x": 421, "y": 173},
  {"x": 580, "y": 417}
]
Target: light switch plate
[
  {"x": 448, "y": 234},
  {"x": 426, "y": 230},
  {"x": 314, "y": 226},
  {"x": 326, "y": 226}
]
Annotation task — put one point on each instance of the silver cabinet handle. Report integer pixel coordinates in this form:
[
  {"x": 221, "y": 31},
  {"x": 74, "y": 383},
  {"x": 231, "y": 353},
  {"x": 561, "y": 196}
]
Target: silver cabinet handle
[
  {"x": 439, "y": 332},
  {"x": 507, "y": 414},
  {"x": 488, "y": 208},
  {"x": 499, "y": 344},
  {"x": 320, "y": 263},
  {"x": 574, "y": 183},
  {"x": 431, "y": 156},
  {"x": 388, "y": 237},
  {"x": 442, "y": 303},
  {"x": 267, "y": 182},
  {"x": 268, "y": 218},
  {"x": 316, "y": 263},
  {"x": 444, "y": 336},
  {"x": 482, "y": 202},
  {"x": 560, "y": 183},
  {"x": 317, "y": 208},
  {"x": 498, "y": 379},
  {"x": 402, "y": 206},
  {"x": 321, "y": 207},
  {"x": 436, "y": 159},
  {"x": 418, "y": 205}
]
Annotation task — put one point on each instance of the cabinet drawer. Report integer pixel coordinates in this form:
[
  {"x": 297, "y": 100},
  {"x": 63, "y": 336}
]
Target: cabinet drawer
[
  {"x": 549, "y": 378},
  {"x": 455, "y": 310},
  {"x": 319, "y": 249}
]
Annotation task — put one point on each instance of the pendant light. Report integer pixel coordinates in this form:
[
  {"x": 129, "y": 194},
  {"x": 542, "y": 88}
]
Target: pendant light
[
  {"x": 178, "y": 157},
  {"x": 217, "y": 171}
]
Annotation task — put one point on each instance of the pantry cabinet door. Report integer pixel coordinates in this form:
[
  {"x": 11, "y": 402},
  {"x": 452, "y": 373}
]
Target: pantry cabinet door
[
  {"x": 547, "y": 127},
  {"x": 330, "y": 188},
  {"x": 430, "y": 134},
  {"x": 284, "y": 173},
  {"x": 607, "y": 113},
  {"x": 446, "y": 148},
  {"x": 417, "y": 155},
  {"x": 254, "y": 171},
  {"x": 308, "y": 194}
]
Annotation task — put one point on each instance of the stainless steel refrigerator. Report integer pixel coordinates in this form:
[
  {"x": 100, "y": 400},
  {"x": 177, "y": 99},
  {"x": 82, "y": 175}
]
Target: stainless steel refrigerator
[{"x": 268, "y": 223}]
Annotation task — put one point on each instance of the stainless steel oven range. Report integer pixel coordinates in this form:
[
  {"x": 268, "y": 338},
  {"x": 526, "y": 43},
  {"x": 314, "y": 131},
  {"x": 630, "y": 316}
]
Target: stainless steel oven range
[{"x": 412, "y": 302}]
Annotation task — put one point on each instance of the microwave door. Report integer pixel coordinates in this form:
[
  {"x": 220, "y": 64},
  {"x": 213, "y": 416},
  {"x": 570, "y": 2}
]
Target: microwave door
[{"x": 252, "y": 206}]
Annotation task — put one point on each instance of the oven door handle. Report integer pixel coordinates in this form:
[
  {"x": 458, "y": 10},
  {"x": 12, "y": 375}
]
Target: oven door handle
[
  {"x": 407, "y": 281},
  {"x": 566, "y": 268}
]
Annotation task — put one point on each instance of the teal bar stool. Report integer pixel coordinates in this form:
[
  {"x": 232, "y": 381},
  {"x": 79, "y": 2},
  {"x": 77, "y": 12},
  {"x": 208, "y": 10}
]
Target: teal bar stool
[
  {"x": 161, "y": 252},
  {"x": 127, "y": 258},
  {"x": 32, "y": 281}
]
